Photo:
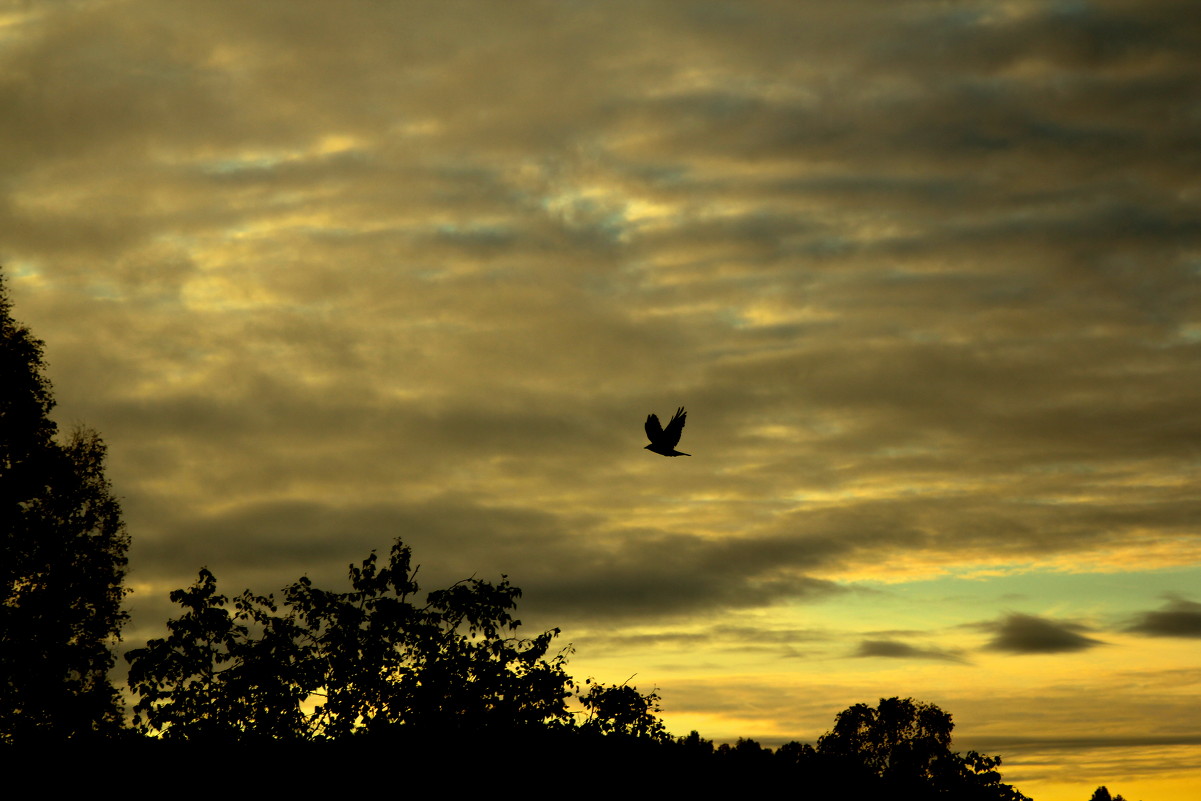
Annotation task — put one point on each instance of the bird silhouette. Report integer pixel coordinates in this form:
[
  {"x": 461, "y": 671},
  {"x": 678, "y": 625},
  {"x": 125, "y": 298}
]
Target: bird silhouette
[{"x": 664, "y": 440}]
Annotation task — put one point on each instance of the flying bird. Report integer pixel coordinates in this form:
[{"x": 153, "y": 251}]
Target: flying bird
[{"x": 664, "y": 440}]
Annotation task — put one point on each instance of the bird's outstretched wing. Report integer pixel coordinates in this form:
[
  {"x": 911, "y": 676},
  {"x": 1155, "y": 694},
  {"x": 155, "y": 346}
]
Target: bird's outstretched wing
[
  {"x": 654, "y": 431},
  {"x": 671, "y": 434}
]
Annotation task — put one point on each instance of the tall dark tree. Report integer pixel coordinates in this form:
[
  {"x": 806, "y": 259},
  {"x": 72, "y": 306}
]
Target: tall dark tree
[{"x": 62, "y": 560}]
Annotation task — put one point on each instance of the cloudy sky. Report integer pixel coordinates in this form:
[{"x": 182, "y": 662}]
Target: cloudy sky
[{"x": 925, "y": 275}]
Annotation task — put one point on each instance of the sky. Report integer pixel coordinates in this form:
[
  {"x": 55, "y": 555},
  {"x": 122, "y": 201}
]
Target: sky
[{"x": 925, "y": 275}]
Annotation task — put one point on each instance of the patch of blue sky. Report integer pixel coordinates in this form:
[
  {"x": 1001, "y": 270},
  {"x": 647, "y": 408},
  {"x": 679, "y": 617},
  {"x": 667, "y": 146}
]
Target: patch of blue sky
[
  {"x": 241, "y": 164},
  {"x": 590, "y": 211},
  {"x": 1107, "y": 599},
  {"x": 476, "y": 235},
  {"x": 733, "y": 317},
  {"x": 19, "y": 268},
  {"x": 105, "y": 290},
  {"x": 825, "y": 246}
]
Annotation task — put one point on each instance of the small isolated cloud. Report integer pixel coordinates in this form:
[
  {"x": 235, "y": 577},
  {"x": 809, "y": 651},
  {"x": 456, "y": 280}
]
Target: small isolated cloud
[
  {"x": 1027, "y": 634},
  {"x": 1177, "y": 618},
  {"x": 894, "y": 649}
]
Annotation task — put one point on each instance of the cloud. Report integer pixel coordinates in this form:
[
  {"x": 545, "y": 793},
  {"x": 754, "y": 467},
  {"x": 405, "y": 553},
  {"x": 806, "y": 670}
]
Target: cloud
[
  {"x": 782, "y": 643},
  {"x": 1177, "y": 618},
  {"x": 568, "y": 572},
  {"x": 905, "y": 306},
  {"x": 1027, "y": 634},
  {"x": 893, "y": 649}
]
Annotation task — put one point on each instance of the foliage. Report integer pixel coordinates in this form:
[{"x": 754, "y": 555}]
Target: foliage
[
  {"x": 907, "y": 744},
  {"x": 899, "y": 738},
  {"x": 695, "y": 744},
  {"x": 621, "y": 709},
  {"x": 328, "y": 664},
  {"x": 62, "y": 560}
]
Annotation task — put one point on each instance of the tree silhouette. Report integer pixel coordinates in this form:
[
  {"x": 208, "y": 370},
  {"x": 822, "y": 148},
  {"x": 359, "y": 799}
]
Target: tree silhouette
[
  {"x": 62, "y": 560},
  {"x": 897, "y": 739},
  {"x": 368, "y": 660},
  {"x": 622, "y": 710},
  {"x": 907, "y": 744},
  {"x": 452, "y": 676}
]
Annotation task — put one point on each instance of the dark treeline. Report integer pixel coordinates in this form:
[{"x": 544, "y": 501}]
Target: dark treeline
[
  {"x": 376, "y": 667},
  {"x": 306, "y": 686}
]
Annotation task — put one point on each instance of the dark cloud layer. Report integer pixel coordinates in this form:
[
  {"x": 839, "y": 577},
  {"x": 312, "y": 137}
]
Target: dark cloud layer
[
  {"x": 562, "y": 564},
  {"x": 1178, "y": 618},
  {"x": 894, "y": 649},
  {"x": 1027, "y": 634},
  {"x": 927, "y": 278}
]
